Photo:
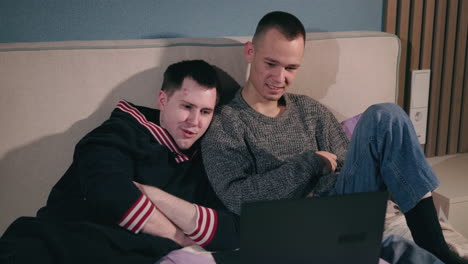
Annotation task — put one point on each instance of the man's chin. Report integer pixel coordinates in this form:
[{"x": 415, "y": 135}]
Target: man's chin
[
  {"x": 185, "y": 144},
  {"x": 274, "y": 97}
]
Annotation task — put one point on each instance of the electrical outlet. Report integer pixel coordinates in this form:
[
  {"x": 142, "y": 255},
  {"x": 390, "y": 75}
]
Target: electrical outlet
[{"x": 419, "y": 118}]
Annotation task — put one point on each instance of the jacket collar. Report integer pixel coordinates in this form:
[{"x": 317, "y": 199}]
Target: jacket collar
[{"x": 158, "y": 132}]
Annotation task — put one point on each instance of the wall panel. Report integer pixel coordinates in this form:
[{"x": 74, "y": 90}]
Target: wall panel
[
  {"x": 457, "y": 136},
  {"x": 433, "y": 36}
]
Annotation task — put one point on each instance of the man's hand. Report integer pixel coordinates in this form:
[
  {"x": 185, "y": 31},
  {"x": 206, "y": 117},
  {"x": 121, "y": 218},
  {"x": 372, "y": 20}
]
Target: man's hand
[
  {"x": 177, "y": 211},
  {"x": 159, "y": 225},
  {"x": 328, "y": 160}
]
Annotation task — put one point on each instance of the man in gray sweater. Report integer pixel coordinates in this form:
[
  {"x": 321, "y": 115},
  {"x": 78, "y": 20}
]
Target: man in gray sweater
[{"x": 267, "y": 144}]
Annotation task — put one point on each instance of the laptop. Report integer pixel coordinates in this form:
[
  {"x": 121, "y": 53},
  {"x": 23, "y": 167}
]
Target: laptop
[{"x": 335, "y": 229}]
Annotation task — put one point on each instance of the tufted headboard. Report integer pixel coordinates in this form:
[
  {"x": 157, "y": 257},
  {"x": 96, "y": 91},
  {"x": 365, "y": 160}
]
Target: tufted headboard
[{"x": 53, "y": 93}]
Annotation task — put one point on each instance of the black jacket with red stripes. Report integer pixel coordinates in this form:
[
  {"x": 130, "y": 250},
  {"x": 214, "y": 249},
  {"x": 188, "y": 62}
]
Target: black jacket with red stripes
[{"x": 131, "y": 146}]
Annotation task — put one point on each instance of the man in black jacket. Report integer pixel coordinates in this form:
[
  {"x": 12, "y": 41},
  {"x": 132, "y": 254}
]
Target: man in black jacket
[{"x": 136, "y": 188}]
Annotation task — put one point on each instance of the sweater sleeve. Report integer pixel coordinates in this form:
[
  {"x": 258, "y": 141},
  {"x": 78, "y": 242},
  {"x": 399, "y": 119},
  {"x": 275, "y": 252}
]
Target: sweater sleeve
[
  {"x": 331, "y": 136},
  {"x": 104, "y": 163},
  {"x": 231, "y": 168}
]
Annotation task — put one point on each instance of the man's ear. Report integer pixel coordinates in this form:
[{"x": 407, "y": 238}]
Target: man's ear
[
  {"x": 162, "y": 100},
  {"x": 249, "y": 51}
]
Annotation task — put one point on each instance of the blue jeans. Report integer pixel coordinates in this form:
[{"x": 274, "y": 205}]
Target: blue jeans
[{"x": 384, "y": 154}]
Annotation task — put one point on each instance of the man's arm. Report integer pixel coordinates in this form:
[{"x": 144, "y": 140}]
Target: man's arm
[
  {"x": 231, "y": 168},
  {"x": 329, "y": 161},
  {"x": 331, "y": 138},
  {"x": 109, "y": 188},
  {"x": 159, "y": 225},
  {"x": 182, "y": 213},
  {"x": 207, "y": 227}
]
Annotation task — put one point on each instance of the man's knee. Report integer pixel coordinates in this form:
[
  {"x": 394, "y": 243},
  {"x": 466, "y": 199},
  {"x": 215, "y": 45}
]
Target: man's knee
[
  {"x": 389, "y": 108},
  {"x": 387, "y": 112}
]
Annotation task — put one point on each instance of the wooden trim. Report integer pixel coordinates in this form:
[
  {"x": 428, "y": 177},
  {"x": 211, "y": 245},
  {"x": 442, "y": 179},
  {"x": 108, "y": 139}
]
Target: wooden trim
[
  {"x": 414, "y": 52},
  {"x": 426, "y": 41},
  {"x": 457, "y": 92},
  {"x": 428, "y": 31},
  {"x": 447, "y": 78},
  {"x": 436, "y": 76},
  {"x": 403, "y": 33},
  {"x": 391, "y": 16},
  {"x": 416, "y": 33},
  {"x": 463, "y": 143}
]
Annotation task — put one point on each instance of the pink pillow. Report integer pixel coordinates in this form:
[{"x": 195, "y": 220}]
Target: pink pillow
[
  {"x": 349, "y": 125},
  {"x": 184, "y": 255}
]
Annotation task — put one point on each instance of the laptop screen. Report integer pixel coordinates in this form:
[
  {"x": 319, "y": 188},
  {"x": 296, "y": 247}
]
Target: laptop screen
[{"x": 335, "y": 229}]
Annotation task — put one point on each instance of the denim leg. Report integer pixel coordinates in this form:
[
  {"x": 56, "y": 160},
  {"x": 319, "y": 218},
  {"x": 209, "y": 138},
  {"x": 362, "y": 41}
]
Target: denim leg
[
  {"x": 396, "y": 249},
  {"x": 384, "y": 154}
]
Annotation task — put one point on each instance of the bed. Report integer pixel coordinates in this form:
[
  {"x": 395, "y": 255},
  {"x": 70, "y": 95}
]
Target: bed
[{"x": 53, "y": 93}]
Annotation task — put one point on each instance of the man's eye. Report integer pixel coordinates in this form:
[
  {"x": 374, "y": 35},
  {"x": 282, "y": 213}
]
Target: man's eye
[
  {"x": 187, "y": 106},
  {"x": 270, "y": 64},
  {"x": 206, "y": 112}
]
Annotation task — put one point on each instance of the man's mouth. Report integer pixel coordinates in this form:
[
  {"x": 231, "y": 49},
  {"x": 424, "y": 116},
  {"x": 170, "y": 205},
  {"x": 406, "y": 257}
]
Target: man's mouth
[
  {"x": 188, "y": 133},
  {"x": 276, "y": 88}
]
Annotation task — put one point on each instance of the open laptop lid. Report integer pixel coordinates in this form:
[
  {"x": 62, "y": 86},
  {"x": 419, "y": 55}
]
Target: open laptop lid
[{"x": 336, "y": 229}]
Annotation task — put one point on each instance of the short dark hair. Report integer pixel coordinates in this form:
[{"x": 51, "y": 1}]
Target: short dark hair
[
  {"x": 198, "y": 70},
  {"x": 289, "y": 25}
]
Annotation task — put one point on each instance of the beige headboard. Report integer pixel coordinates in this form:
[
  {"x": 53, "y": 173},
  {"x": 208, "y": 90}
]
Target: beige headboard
[{"x": 53, "y": 93}]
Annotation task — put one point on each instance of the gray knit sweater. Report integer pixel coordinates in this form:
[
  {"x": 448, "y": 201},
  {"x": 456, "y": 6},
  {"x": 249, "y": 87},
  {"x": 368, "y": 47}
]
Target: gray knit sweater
[{"x": 251, "y": 157}]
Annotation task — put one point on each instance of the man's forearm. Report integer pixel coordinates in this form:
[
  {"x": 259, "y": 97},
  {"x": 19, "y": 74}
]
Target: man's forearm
[
  {"x": 159, "y": 225},
  {"x": 182, "y": 213}
]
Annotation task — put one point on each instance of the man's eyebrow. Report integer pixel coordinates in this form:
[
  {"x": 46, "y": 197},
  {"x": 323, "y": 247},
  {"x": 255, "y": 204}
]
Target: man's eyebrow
[
  {"x": 270, "y": 59},
  {"x": 208, "y": 108},
  {"x": 192, "y": 104},
  {"x": 277, "y": 62},
  {"x": 186, "y": 102}
]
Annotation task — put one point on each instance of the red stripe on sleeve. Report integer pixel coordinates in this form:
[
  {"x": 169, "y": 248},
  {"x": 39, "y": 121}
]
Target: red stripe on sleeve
[
  {"x": 213, "y": 231},
  {"x": 143, "y": 220},
  {"x": 204, "y": 227},
  {"x": 207, "y": 225},
  {"x": 199, "y": 222},
  {"x": 137, "y": 215}
]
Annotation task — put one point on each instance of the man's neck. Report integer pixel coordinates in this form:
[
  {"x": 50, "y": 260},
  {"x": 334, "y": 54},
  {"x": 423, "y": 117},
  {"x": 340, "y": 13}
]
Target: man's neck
[{"x": 264, "y": 107}]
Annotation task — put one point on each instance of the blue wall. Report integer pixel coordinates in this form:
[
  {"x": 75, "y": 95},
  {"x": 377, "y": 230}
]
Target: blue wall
[{"x": 58, "y": 20}]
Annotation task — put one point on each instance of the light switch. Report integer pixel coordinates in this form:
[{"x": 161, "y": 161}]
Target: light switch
[{"x": 420, "y": 82}]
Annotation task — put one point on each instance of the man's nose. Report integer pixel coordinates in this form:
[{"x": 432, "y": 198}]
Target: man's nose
[
  {"x": 280, "y": 74},
  {"x": 193, "y": 118}
]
